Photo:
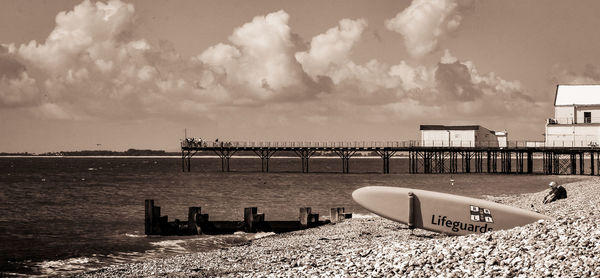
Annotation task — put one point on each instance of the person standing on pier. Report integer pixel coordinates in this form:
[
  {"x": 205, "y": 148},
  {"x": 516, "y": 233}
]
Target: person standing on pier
[{"x": 557, "y": 192}]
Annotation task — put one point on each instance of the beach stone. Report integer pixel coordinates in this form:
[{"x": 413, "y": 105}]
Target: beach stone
[{"x": 566, "y": 247}]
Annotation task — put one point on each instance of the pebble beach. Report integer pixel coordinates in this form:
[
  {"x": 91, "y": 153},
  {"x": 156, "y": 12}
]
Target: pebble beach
[{"x": 568, "y": 246}]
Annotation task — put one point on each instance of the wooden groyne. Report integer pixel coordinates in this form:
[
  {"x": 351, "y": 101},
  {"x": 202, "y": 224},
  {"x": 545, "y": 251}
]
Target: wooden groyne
[{"x": 198, "y": 223}]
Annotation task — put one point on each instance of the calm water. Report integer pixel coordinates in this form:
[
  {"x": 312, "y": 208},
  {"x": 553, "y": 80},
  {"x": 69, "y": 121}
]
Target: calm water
[{"x": 62, "y": 215}]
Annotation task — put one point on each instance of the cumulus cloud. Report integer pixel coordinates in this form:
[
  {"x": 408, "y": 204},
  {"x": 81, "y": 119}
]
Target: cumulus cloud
[
  {"x": 424, "y": 23},
  {"x": 590, "y": 74},
  {"x": 332, "y": 48},
  {"x": 17, "y": 88},
  {"x": 467, "y": 92},
  {"x": 260, "y": 63},
  {"x": 18, "y": 91},
  {"x": 87, "y": 59},
  {"x": 10, "y": 67},
  {"x": 89, "y": 31},
  {"x": 93, "y": 65}
]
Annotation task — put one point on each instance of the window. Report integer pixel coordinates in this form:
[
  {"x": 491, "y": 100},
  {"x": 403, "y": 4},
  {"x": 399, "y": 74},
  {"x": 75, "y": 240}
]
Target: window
[{"x": 587, "y": 117}]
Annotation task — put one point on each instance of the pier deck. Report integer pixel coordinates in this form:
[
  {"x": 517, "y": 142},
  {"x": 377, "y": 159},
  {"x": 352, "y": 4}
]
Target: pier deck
[{"x": 424, "y": 157}]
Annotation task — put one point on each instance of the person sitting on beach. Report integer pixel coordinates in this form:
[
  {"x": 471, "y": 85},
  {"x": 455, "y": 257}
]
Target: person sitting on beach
[{"x": 557, "y": 192}]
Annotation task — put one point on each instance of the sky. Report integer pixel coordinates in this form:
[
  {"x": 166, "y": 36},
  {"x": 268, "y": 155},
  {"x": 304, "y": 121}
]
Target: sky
[{"x": 83, "y": 75}]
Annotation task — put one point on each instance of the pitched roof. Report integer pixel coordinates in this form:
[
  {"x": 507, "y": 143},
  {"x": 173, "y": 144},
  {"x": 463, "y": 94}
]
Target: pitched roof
[{"x": 577, "y": 95}]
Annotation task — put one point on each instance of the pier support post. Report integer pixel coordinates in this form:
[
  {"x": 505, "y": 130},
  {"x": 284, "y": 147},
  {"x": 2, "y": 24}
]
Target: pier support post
[
  {"x": 596, "y": 163},
  {"x": 592, "y": 163},
  {"x": 385, "y": 155},
  {"x": 265, "y": 155},
  {"x": 478, "y": 161},
  {"x": 581, "y": 164},
  {"x": 414, "y": 161},
  {"x": 439, "y": 162},
  {"x": 573, "y": 164},
  {"x": 548, "y": 162},
  {"x": 182, "y": 160},
  {"x": 304, "y": 155},
  {"x": 345, "y": 155},
  {"x": 509, "y": 162},
  {"x": 520, "y": 162},
  {"x": 489, "y": 157},
  {"x": 186, "y": 159},
  {"x": 494, "y": 161},
  {"x": 426, "y": 155},
  {"x": 544, "y": 163},
  {"x": 467, "y": 161},
  {"x": 225, "y": 155},
  {"x": 410, "y": 162},
  {"x": 505, "y": 160},
  {"x": 529, "y": 162},
  {"x": 453, "y": 161}
]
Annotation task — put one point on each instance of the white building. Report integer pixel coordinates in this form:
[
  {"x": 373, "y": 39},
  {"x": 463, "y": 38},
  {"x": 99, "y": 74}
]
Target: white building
[
  {"x": 502, "y": 137},
  {"x": 576, "y": 121},
  {"x": 460, "y": 136}
]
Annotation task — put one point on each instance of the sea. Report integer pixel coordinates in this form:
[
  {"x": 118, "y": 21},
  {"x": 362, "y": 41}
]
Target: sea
[{"x": 64, "y": 215}]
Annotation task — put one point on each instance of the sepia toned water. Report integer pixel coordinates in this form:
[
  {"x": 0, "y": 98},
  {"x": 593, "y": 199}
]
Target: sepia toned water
[{"x": 59, "y": 216}]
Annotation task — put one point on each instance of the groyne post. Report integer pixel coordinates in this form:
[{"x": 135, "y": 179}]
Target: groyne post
[
  {"x": 307, "y": 218},
  {"x": 152, "y": 218},
  {"x": 333, "y": 215},
  {"x": 249, "y": 214},
  {"x": 194, "y": 213},
  {"x": 304, "y": 212},
  {"x": 340, "y": 212},
  {"x": 148, "y": 216}
]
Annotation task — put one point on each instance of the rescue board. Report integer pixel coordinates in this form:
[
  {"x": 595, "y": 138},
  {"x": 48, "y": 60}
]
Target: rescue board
[{"x": 442, "y": 212}]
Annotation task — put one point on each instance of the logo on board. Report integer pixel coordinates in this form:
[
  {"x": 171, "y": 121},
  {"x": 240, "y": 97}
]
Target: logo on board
[{"x": 481, "y": 214}]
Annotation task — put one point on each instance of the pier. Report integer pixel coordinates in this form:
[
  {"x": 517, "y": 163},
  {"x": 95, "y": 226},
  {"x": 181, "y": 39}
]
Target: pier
[{"x": 424, "y": 157}]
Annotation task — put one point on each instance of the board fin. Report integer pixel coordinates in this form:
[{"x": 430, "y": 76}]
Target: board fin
[{"x": 411, "y": 200}]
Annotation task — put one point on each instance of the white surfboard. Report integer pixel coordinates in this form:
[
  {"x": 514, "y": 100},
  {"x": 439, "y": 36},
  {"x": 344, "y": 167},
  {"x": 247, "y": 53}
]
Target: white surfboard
[{"x": 441, "y": 212}]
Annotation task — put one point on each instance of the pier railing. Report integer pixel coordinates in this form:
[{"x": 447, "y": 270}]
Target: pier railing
[
  {"x": 299, "y": 144},
  {"x": 425, "y": 156},
  {"x": 196, "y": 143}
]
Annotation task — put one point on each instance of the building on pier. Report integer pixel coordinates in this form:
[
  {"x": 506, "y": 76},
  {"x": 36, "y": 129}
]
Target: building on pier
[
  {"x": 461, "y": 136},
  {"x": 502, "y": 137},
  {"x": 576, "y": 121}
]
